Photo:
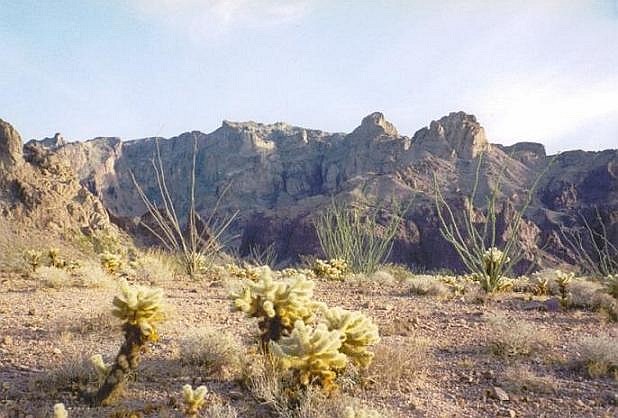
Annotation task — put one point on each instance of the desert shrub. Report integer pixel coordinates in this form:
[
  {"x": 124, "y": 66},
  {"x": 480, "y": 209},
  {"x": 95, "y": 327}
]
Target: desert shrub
[
  {"x": 357, "y": 236},
  {"x": 249, "y": 273},
  {"x": 599, "y": 355},
  {"x": 217, "y": 410},
  {"x": 91, "y": 275},
  {"x": 611, "y": 285},
  {"x": 155, "y": 267},
  {"x": 72, "y": 373},
  {"x": 263, "y": 256},
  {"x": 213, "y": 351},
  {"x": 511, "y": 338},
  {"x": 521, "y": 379},
  {"x": 397, "y": 366},
  {"x": 333, "y": 269},
  {"x": 382, "y": 277},
  {"x": 428, "y": 286},
  {"x": 53, "y": 277},
  {"x": 400, "y": 272}
]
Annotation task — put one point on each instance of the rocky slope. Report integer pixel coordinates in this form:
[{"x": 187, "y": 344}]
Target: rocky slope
[
  {"x": 280, "y": 176},
  {"x": 39, "y": 189}
]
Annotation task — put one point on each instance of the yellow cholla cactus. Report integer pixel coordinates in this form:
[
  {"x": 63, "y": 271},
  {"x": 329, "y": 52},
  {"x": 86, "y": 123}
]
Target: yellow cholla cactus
[
  {"x": 194, "y": 400},
  {"x": 333, "y": 269},
  {"x": 280, "y": 303},
  {"x": 360, "y": 413},
  {"x": 358, "y": 332},
  {"x": 249, "y": 273},
  {"x": 139, "y": 306},
  {"x": 313, "y": 353},
  {"x": 54, "y": 258},
  {"x": 111, "y": 262},
  {"x": 33, "y": 258},
  {"x": 291, "y": 272},
  {"x": 60, "y": 411},
  {"x": 100, "y": 367}
]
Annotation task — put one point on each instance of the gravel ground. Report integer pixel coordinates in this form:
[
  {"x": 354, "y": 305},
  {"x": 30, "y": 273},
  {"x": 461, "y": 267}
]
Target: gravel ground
[{"x": 433, "y": 360}]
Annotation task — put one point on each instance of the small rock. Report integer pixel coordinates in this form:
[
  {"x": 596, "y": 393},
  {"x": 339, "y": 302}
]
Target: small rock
[
  {"x": 580, "y": 403},
  {"x": 7, "y": 340},
  {"x": 31, "y": 311},
  {"x": 512, "y": 413},
  {"x": 553, "y": 305},
  {"x": 499, "y": 393},
  {"x": 57, "y": 351}
]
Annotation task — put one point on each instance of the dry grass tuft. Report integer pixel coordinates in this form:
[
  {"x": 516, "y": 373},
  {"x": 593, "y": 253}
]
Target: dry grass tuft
[
  {"x": 510, "y": 338},
  {"x": 397, "y": 365},
  {"x": 599, "y": 355},
  {"x": 428, "y": 286},
  {"x": 53, "y": 277},
  {"x": 212, "y": 351},
  {"x": 156, "y": 267},
  {"x": 521, "y": 379},
  {"x": 90, "y": 275}
]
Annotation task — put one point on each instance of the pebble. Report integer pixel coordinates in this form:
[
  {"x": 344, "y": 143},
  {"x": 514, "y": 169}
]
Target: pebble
[{"x": 498, "y": 393}]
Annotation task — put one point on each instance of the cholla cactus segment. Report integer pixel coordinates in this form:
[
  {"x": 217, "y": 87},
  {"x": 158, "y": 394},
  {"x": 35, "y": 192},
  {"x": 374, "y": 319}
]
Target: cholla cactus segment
[
  {"x": 563, "y": 279},
  {"x": 60, "y": 411},
  {"x": 288, "y": 299},
  {"x": 358, "y": 333},
  {"x": 54, "y": 258},
  {"x": 139, "y": 306},
  {"x": 333, "y": 269},
  {"x": 313, "y": 352},
  {"x": 361, "y": 413},
  {"x": 33, "y": 258},
  {"x": 111, "y": 262},
  {"x": 194, "y": 400},
  {"x": 100, "y": 367}
]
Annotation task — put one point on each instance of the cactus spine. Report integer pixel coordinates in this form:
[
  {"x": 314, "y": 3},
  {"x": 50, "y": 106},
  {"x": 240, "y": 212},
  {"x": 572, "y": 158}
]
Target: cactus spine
[{"x": 140, "y": 310}]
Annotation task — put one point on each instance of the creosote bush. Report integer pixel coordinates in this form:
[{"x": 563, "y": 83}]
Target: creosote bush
[
  {"x": 54, "y": 277},
  {"x": 511, "y": 338},
  {"x": 215, "y": 351},
  {"x": 599, "y": 355}
]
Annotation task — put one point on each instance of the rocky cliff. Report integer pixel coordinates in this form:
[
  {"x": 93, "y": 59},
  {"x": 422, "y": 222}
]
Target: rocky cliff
[{"x": 280, "y": 176}]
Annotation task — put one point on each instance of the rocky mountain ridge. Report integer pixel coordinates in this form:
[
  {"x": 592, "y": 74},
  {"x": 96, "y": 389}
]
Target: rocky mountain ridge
[{"x": 281, "y": 176}]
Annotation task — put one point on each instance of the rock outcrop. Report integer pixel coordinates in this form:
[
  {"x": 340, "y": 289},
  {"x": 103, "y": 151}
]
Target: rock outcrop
[
  {"x": 38, "y": 188},
  {"x": 280, "y": 176}
]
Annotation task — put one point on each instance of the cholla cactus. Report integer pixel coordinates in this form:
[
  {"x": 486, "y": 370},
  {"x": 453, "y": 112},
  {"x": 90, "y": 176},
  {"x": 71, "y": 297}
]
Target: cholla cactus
[
  {"x": 278, "y": 303},
  {"x": 333, "y": 269},
  {"x": 194, "y": 400},
  {"x": 140, "y": 310},
  {"x": 54, "y": 258},
  {"x": 360, "y": 413},
  {"x": 313, "y": 353},
  {"x": 249, "y": 273},
  {"x": 100, "y": 367},
  {"x": 60, "y": 411},
  {"x": 111, "y": 262},
  {"x": 564, "y": 280},
  {"x": 291, "y": 272},
  {"x": 492, "y": 278},
  {"x": 357, "y": 332},
  {"x": 33, "y": 258}
]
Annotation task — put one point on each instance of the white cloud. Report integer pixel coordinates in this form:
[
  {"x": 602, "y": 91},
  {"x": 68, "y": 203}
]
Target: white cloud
[{"x": 208, "y": 18}]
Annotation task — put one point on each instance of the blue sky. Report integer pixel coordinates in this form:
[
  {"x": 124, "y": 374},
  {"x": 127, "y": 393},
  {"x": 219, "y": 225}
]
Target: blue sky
[{"x": 542, "y": 71}]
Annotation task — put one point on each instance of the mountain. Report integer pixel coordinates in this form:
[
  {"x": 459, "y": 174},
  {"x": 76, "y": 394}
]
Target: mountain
[{"x": 281, "y": 176}]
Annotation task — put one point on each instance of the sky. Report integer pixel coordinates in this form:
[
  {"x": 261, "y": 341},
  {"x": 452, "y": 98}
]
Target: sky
[{"x": 530, "y": 70}]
